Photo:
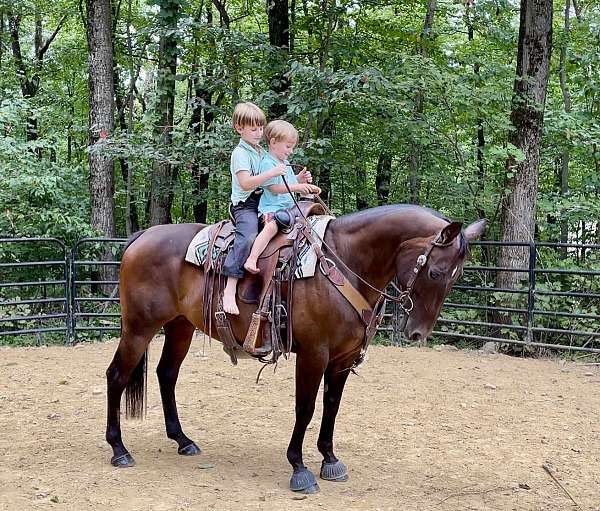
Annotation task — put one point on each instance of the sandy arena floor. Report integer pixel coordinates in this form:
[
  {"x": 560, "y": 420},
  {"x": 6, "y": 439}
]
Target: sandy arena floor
[{"x": 420, "y": 429}]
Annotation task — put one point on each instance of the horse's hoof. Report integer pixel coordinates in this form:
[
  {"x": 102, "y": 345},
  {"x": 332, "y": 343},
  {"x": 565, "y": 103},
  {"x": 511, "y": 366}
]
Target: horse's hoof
[
  {"x": 189, "y": 450},
  {"x": 304, "y": 481},
  {"x": 337, "y": 472},
  {"x": 124, "y": 461}
]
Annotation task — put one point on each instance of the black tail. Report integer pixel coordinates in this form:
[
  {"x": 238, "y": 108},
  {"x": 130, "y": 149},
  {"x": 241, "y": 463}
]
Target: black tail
[{"x": 135, "y": 393}]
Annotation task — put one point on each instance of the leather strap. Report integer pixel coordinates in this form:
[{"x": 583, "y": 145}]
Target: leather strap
[
  {"x": 213, "y": 238},
  {"x": 351, "y": 294}
]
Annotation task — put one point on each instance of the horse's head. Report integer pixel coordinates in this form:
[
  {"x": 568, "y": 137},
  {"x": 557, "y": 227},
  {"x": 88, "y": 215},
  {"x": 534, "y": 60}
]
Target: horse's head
[{"x": 430, "y": 267}]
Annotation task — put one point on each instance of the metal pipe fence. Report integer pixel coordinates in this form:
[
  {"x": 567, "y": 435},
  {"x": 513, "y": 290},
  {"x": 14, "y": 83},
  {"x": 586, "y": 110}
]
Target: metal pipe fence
[
  {"x": 94, "y": 267},
  {"x": 34, "y": 289},
  {"x": 556, "y": 304},
  {"x": 49, "y": 293}
]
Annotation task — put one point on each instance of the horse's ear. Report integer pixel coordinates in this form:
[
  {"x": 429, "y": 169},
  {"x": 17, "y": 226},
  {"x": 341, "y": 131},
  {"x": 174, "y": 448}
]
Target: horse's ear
[
  {"x": 475, "y": 230},
  {"x": 451, "y": 231}
]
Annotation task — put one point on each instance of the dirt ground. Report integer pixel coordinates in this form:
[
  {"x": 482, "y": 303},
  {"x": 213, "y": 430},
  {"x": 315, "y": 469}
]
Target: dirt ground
[{"x": 420, "y": 429}]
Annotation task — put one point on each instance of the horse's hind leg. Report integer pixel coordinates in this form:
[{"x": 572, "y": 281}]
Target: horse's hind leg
[
  {"x": 332, "y": 469},
  {"x": 178, "y": 337},
  {"x": 126, "y": 368}
]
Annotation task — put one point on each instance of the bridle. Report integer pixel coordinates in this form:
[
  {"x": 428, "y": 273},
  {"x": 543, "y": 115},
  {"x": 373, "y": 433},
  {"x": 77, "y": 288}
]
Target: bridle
[{"x": 406, "y": 302}]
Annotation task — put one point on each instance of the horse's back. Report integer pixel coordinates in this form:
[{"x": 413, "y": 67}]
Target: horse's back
[{"x": 160, "y": 241}]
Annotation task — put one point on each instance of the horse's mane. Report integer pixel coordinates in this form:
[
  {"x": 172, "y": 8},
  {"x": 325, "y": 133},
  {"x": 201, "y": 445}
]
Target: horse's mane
[{"x": 377, "y": 212}]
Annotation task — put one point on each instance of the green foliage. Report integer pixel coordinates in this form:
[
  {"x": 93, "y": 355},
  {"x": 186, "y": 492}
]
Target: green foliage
[{"x": 38, "y": 197}]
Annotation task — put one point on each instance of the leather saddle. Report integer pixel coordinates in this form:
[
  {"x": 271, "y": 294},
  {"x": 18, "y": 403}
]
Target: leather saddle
[
  {"x": 262, "y": 289},
  {"x": 280, "y": 247}
]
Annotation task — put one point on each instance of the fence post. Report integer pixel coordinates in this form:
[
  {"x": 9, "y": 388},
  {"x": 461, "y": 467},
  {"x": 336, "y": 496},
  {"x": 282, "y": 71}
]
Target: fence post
[
  {"x": 68, "y": 302},
  {"x": 531, "y": 291}
]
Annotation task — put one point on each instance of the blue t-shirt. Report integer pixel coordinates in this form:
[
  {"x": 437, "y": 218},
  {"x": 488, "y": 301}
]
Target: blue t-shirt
[
  {"x": 243, "y": 157},
  {"x": 269, "y": 201}
]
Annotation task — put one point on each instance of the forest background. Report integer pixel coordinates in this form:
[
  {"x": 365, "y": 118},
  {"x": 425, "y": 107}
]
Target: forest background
[{"x": 395, "y": 100}]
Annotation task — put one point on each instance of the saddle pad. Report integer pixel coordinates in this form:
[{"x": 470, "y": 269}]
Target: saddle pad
[
  {"x": 307, "y": 263},
  {"x": 198, "y": 248}
]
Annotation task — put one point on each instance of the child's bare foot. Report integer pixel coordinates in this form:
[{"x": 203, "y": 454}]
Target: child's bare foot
[
  {"x": 229, "y": 304},
  {"x": 251, "y": 266}
]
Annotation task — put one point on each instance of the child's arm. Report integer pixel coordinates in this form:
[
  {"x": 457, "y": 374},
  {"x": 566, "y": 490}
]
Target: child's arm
[
  {"x": 249, "y": 182},
  {"x": 301, "y": 188}
]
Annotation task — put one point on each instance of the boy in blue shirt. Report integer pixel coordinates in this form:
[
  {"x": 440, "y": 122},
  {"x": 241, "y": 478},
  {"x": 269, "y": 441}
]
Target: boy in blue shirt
[
  {"x": 281, "y": 137},
  {"x": 249, "y": 121}
]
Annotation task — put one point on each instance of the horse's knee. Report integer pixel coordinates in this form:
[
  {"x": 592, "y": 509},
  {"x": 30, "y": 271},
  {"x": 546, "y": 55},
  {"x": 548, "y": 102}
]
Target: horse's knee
[{"x": 305, "y": 411}]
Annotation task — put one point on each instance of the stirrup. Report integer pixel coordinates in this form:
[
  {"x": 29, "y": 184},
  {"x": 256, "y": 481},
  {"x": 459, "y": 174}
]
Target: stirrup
[
  {"x": 252, "y": 337},
  {"x": 226, "y": 335}
]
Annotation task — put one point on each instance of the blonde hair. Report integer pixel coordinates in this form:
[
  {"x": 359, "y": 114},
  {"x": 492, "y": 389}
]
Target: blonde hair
[
  {"x": 248, "y": 114},
  {"x": 280, "y": 130}
]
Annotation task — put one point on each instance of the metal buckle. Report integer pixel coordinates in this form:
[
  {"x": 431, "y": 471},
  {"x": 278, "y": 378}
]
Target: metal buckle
[
  {"x": 281, "y": 310},
  {"x": 220, "y": 317}
]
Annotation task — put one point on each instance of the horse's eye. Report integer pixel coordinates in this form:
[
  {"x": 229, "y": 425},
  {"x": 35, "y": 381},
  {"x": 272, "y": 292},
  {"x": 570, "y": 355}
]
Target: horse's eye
[{"x": 434, "y": 275}]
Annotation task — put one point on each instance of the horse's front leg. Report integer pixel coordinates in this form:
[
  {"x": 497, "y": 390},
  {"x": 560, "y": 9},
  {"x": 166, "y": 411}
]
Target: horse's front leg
[
  {"x": 335, "y": 378},
  {"x": 310, "y": 367}
]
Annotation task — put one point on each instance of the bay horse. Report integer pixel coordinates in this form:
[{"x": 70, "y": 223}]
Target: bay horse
[{"x": 159, "y": 289}]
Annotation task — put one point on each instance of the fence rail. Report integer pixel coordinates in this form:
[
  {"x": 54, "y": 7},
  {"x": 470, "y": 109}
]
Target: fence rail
[{"x": 48, "y": 292}]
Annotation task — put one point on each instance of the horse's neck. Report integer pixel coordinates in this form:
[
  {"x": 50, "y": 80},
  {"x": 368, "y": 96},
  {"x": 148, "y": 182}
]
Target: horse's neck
[{"x": 368, "y": 243}]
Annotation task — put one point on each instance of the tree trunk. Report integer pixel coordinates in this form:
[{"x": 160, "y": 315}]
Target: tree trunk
[
  {"x": 201, "y": 121},
  {"x": 360, "y": 189},
  {"x": 383, "y": 177},
  {"x": 230, "y": 57},
  {"x": 414, "y": 158},
  {"x": 29, "y": 75},
  {"x": 163, "y": 173},
  {"x": 101, "y": 87},
  {"x": 132, "y": 223},
  {"x": 565, "y": 156},
  {"x": 527, "y": 117},
  {"x": 131, "y": 216},
  {"x": 279, "y": 36},
  {"x": 2, "y": 30},
  {"x": 324, "y": 130},
  {"x": 480, "y": 133}
]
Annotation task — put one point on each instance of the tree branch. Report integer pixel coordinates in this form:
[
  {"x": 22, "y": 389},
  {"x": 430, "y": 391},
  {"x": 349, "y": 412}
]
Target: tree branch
[
  {"x": 14, "y": 23},
  {"x": 48, "y": 42},
  {"x": 222, "y": 12}
]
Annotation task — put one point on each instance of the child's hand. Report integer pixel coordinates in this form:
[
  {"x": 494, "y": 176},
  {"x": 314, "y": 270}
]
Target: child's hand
[
  {"x": 304, "y": 176},
  {"x": 279, "y": 170},
  {"x": 307, "y": 189}
]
